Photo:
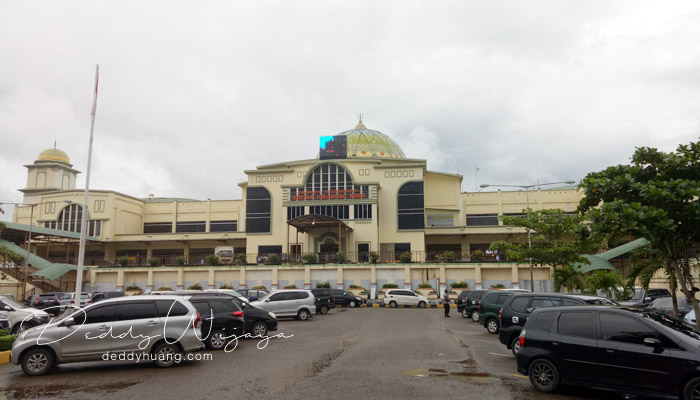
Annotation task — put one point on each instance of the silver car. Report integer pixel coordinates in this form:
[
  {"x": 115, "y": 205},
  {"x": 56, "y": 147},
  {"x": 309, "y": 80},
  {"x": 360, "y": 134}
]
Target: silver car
[
  {"x": 159, "y": 329},
  {"x": 297, "y": 303}
]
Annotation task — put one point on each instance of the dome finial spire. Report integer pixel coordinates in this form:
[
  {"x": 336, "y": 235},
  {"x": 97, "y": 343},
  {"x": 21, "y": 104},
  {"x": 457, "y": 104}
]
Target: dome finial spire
[
  {"x": 360, "y": 125},
  {"x": 54, "y": 144}
]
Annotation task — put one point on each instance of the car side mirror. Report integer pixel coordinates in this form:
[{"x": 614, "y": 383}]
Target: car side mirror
[
  {"x": 68, "y": 322},
  {"x": 267, "y": 300},
  {"x": 652, "y": 342},
  {"x": 647, "y": 299},
  {"x": 530, "y": 310}
]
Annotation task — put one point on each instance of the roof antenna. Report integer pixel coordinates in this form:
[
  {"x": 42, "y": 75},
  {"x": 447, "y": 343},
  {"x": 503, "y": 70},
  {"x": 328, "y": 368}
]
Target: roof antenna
[{"x": 54, "y": 144}]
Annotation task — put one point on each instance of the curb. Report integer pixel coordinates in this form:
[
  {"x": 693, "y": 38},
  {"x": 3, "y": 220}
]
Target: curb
[
  {"x": 382, "y": 305},
  {"x": 5, "y": 356}
]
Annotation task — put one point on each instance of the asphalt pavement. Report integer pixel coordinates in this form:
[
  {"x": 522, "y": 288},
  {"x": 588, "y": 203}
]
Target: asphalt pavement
[{"x": 367, "y": 353}]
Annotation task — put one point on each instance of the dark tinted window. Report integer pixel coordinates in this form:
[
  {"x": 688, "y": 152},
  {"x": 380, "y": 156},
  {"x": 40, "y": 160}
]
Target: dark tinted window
[
  {"x": 503, "y": 297},
  {"x": 291, "y": 296},
  {"x": 544, "y": 302},
  {"x": 491, "y": 298},
  {"x": 620, "y": 328},
  {"x": 519, "y": 303},
  {"x": 577, "y": 324},
  {"x": 545, "y": 320},
  {"x": 303, "y": 295},
  {"x": 202, "y": 307},
  {"x": 136, "y": 310},
  {"x": 258, "y": 205},
  {"x": 277, "y": 297},
  {"x": 337, "y": 292},
  {"x": 97, "y": 315},
  {"x": 170, "y": 308},
  {"x": 223, "y": 307},
  {"x": 475, "y": 295},
  {"x": 673, "y": 323},
  {"x": 410, "y": 206}
]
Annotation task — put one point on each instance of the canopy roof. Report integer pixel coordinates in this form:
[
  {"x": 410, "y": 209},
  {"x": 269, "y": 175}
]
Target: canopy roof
[
  {"x": 46, "y": 268},
  {"x": 41, "y": 231},
  {"x": 306, "y": 223}
]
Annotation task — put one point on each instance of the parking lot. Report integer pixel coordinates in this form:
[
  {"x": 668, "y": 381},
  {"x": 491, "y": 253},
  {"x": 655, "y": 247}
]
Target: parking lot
[{"x": 346, "y": 354}]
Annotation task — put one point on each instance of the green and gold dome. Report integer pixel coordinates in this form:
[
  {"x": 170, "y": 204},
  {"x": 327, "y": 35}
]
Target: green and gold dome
[
  {"x": 368, "y": 143},
  {"x": 53, "y": 155}
]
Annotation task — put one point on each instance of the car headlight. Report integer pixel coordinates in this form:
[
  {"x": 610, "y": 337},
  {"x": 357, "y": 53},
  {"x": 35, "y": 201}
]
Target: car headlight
[
  {"x": 272, "y": 314},
  {"x": 358, "y": 298},
  {"x": 22, "y": 335}
]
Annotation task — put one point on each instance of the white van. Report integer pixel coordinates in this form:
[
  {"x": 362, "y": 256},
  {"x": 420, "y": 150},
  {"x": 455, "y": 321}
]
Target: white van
[{"x": 21, "y": 317}]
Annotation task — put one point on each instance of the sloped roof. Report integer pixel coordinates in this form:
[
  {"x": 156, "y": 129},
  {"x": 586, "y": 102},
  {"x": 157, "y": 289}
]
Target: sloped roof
[
  {"x": 38, "y": 230},
  {"x": 46, "y": 268}
]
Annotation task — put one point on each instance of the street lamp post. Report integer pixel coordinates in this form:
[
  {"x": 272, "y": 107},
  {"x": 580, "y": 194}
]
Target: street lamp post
[{"x": 527, "y": 201}]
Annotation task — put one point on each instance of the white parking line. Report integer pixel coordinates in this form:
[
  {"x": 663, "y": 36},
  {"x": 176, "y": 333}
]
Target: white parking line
[{"x": 502, "y": 355}]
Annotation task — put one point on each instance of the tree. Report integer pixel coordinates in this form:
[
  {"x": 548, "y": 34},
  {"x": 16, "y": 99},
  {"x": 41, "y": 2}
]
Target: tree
[
  {"x": 608, "y": 282},
  {"x": 569, "y": 278},
  {"x": 655, "y": 197},
  {"x": 552, "y": 237}
]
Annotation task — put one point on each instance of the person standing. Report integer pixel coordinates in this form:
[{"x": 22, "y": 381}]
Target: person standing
[{"x": 446, "y": 303}]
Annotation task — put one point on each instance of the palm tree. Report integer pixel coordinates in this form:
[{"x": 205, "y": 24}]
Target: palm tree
[
  {"x": 608, "y": 282},
  {"x": 568, "y": 277}
]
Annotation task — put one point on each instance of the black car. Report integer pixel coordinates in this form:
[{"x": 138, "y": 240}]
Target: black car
[
  {"x": 642, "y": 298},
  {"x": 253, "y": 294},
  {"x": 665, "y": 304},
  {"x": 345, "y": 299},
  {"x": 324, "y": 300},
  {"x": 627, "y": 350},
  {"x": 222, "y": 319},
  {"x": 518, "y": 307},
  {"x": 258, "y": 322},
  {"x": 49, "y": 302},
  {"x": 468, "y": 303}
]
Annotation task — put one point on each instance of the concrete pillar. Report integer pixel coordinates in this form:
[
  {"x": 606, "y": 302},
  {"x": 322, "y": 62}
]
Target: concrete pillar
[
  {"x": 514, "y": 277},
  {"x": 275, "y": 281},
  {"x": 477, "y": 276},
  {"x": 186, "y": 253},
  {"x": 373, "y": 282},
  {"x": 407, "y": 277},
  {"x": 180, "y": 279},
  {"x": 212, "y": 282},
  {"x": 241, "y": 278},
  {"x": 339, "y": 274},
  {"x": 149, "y": 284},
  {"x": 307, "y": 277},
  {"x": 93, "y": 278},
  {"x": 443, "y": 281},
  {"x": 120, "y": 279},
  {"x": 149, "y": 253}
]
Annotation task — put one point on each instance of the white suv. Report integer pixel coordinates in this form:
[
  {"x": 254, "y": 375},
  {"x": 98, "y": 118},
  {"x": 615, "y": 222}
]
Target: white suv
[
  {"x": 402, "y": 297},
  {"x": 289, "y": 303},
  {"x": 21, "y": 317}
]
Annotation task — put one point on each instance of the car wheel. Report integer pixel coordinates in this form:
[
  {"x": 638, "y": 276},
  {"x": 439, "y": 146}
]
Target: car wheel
[
  {"x": 692, "y": 389},
  {"x": 393, "y": 304},
  {"x": 303, "y": 315},
  {"x": 465, "y": 313},
  {"x": 324, "y": 309},
  {"x": 475, "y": 315},
  {"x": 37, "y": 361},
  {"x": 421, "y": 304},
  {"x": 352, "y": 304},
  {"x": 492, "y": 326},
  {"x": 259, "y": 329},
  {"x": 216, "y": 340},
  {"x": 166, "y": 354},
  {"x": 19, "y": 327},
  {"x": 544, "y": 376},
  {"x": 515, "y": 346}
]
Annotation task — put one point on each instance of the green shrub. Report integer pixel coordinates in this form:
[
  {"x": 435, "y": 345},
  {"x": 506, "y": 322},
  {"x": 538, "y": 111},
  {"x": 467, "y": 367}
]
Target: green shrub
[
  {"x": 6, "y": 342},
  {"x": 212, "y": 259},
  {"x": 460, "y": 285},
  {"x": 425, "y": 286},
  {"x": 498, "y": 286},
  {"x": 123, "y": 261},
  {"x": 4, "y": 332},
  {"x": 180, "y": 260},
  {"x": 133, "y": 286},
  {"x": 341, "y": 257},
  {"x": 260, "y": 287},
  {"x": 373, "y": 257},
  {"x": 353, "y": 286},
  {"x": 195, "y": 286},
  {"x": 406, "y": 257},
  {"x": 477, "y": 255},
  {"x": 165, "y": 288},
  {"x": 241, "y": 259},
  {"x": 153, "y": 262},
  {"x": 225, "y": 287},
  {"x": 323, "y": 285},
  {"x": 274, "y": 260},
  {"x": 309, "y": 259},
  {"x": 292, "y": 286},
  {"x": 450, "y": 256},
  {"x": 390, "y": 286}
]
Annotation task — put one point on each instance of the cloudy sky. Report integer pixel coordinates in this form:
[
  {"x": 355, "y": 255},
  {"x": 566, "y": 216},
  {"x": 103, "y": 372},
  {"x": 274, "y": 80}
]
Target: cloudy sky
[{"x": 193, "y": 93}]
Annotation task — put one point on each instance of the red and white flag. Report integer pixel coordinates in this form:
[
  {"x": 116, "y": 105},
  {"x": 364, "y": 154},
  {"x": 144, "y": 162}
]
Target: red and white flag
[{"x": 94, "y": 100}]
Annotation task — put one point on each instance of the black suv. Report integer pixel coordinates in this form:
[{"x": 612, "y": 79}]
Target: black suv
[
  {"x": 49, "y": 302},
  {"x": 517, "y": 309},
  {"x": 468, "y": 303},
  {"x": 633, "y": 351},
  {"x": 343, "y": 298},
  {"x": 258, "y": 322},
  {"x": 324, "y": 300},
  {"x": 222, "y": 319}
]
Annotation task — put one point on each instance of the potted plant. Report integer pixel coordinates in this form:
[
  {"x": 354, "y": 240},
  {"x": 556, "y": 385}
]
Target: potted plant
[
  {"x": 323, "y": 285},
  {"x": 133, "y": 290},
  {"x": 180, "y": 260},
  {"x": 195, "y": 286},
  {"x": 123, "y": 261},
  {"x": 498, "y": 286},
  {"x": 458, "y": 287},
  {"x": 450, "y": 256},
  {"x": 406, "y": 257},
  {"x": 373, "y": 257},
  {"x": 356, "y": 290},
  {"x": 225, "y": 286},
  {"x": 165, "y": 288},
  {"x": 259, "y": 287},
  {"x": 153, "y": 262},
  {"x": 309, "y": 258},
  {"x": 212, "y": 259},
  {"x": 241, "y": 259},
  {"x": 274, "y": 259},
  {"x": 341, "y": 257},
  {"x": 425, "y": 289},
  {"x": 292, "y": 286},
  {"x": 477, "y": 255}
]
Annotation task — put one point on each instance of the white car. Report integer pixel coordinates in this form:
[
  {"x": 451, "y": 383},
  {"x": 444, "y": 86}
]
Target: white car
[
  {"x": 401, "y": 297},
  {"x": 68, "y": 300},
  {"x": 21, "y": 317},
  {"x": 690, "y": 318},
  {"x": 297, "y": 303}
]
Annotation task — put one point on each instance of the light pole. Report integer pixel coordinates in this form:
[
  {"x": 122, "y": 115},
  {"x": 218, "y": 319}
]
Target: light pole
[
  {"x": 29, "y": 240},
  {"x": 527, "y": 200}
]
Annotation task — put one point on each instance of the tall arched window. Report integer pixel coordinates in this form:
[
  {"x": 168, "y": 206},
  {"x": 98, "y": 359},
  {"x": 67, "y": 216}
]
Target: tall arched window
[
  {"x": 257, "y": 210},
  {"x": 70, "y": 218},
  {"x": 329, "y": 177},
  {"x": 411, "y": 211}
]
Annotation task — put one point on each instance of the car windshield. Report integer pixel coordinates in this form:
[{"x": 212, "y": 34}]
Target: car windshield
[
  {"x": 12, "y": 303},
  {"x": 674, "y": 323},
  {"x": 84, "y": 296}
]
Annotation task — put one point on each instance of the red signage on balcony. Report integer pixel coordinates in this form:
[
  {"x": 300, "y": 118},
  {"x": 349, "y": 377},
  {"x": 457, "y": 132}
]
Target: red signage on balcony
[{"x": 339, "y": 194}]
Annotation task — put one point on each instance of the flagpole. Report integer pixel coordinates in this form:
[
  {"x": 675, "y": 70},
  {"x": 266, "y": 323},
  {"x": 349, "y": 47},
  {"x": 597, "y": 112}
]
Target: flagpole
[{"x": 83, "y": 224}]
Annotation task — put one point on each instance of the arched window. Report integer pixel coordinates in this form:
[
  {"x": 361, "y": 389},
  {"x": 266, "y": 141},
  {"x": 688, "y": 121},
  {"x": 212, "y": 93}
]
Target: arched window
[
  {"x": 70, "y": 218},
  {"x": 329, "y": 177},
  {"x": 257, "y": 210},
  {"x": 411, "y": 211}
]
